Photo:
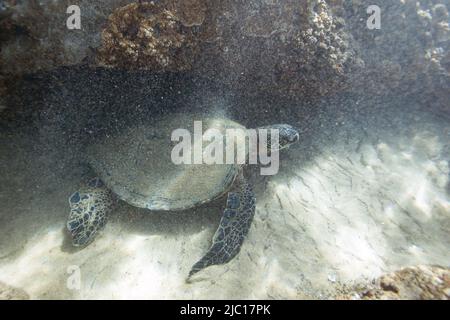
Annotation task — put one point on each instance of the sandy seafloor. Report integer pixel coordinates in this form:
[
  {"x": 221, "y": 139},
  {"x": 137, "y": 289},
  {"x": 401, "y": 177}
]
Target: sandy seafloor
[{"x": 363, "y": 193}]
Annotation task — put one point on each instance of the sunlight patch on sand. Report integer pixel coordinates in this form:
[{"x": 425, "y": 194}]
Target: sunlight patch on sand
[{"x": 371, "y": 209}]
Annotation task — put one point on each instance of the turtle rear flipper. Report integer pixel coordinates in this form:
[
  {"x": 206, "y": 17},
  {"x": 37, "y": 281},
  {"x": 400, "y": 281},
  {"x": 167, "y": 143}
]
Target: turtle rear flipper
[
  {"x": 233, "y": 228},
  {"x": 88, "y": 210}
]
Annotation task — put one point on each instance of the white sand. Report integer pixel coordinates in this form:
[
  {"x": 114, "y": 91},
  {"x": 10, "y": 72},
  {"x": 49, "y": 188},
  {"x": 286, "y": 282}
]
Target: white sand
[{"x": 335, "y": 213}]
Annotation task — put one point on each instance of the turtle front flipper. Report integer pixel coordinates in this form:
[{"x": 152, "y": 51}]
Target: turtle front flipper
[
  {"x": 233, "y": 228},
  {"x": 88, "y": 210}
]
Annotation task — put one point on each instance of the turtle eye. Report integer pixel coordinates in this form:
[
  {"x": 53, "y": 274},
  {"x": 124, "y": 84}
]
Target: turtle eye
[
  {"x": 294, "y": 138},
  {"x": 95, "y": 183}
]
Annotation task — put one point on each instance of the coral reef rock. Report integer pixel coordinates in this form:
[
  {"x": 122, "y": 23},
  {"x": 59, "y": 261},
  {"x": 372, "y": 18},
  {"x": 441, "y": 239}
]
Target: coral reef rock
[
  {"x": 150, "y": 36},
  {"x": 34, "y": 36},
  {"x": 285, "y": 46},
  {"x": 411, "y": 50},
  {"x": 411, "y": 283},
  {"x": 190, "y": 12},
  {"x": 312, "y": 48}
]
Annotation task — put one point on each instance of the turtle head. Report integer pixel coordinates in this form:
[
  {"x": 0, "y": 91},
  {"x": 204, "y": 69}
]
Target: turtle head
[{"x": 287, "y": 135}]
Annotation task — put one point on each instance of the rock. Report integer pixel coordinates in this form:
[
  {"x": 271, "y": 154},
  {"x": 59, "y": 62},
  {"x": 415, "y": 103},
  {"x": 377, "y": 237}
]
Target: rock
[
  {"x": 36, "y": 37},
  {"x": 151, "y": 37},
  {"x": 408, "y": 54},
  {"x": 190, "y": 12},
  {"x": 304, "y": 50},
  {"x": 8, "y": 292},
  {"x": 278, "y": 46},
  {"x": 411, "y": 283},
  {"x": 3, "y": 92}
]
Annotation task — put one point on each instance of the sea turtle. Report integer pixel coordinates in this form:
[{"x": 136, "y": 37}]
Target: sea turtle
[{"x": 136, "y": 165}]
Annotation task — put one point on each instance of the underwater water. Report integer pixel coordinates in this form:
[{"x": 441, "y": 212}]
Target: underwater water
[{"x": 365, "y": 191}]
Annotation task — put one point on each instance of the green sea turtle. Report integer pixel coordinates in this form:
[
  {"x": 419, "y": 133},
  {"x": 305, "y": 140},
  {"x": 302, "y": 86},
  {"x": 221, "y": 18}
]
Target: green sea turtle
[{"x": 136, "y": 166}]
